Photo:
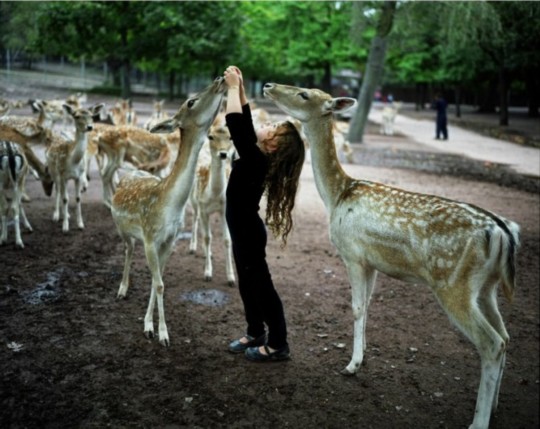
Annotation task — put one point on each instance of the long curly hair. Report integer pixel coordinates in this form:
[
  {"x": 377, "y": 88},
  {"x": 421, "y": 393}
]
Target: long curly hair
[{"x": 281, "y": 183}]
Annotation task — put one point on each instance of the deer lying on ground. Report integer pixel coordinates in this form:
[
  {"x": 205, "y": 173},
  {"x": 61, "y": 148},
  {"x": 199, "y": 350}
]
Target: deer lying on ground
[
  {"x": 158, "y": 115},
  {"x": 460, "y": 251},
  {"x": 144, "y": 150},
  {"x": 389, "y": 114},
  {"x": 150, "y": 209},
  {"x": 66, "y": 160},
  {"x": 208, "y": 197},
  {"x": 13, "y": 171}
]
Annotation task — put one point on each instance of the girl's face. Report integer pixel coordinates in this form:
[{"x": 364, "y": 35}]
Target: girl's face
[{"x": 265, "y": 138}]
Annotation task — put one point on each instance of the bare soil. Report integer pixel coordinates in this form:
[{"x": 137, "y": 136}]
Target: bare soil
[{"x": 74, "y": 356}]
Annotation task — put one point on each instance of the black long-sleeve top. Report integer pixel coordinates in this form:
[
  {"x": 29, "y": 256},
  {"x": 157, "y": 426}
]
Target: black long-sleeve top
[{"x": 246, "y": 182}]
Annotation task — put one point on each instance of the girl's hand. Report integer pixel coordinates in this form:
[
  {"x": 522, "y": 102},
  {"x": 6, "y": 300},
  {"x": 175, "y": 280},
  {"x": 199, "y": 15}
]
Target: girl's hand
[{"x": 232, "y": 78}]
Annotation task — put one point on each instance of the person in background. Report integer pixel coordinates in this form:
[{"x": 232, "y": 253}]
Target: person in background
[
  {"x": 441, "y": 128},
  {"x": 270, "y": 161}
]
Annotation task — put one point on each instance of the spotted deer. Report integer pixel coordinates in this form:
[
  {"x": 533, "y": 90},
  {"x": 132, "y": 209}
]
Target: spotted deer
[
  {"x": 462, "y": 252},
  {"x": 28, "y": 132},
  {"x": 158, "y": 115},
  {"x": 208, "y": 197},
  {"x": 122, "y": 113},
  {"x": 150, "y": 209},
  {"x": 139, "y": 147},
  {"x": 66, "y": 160},
  {"x": 13, "y": 171}
]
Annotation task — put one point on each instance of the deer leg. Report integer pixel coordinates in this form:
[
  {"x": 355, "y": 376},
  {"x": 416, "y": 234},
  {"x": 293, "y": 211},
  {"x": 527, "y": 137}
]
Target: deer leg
[
  {"x": 3, "y": 235},
  {"x": 107, "y": 177},
  {"x": 207, "y": 245},
  {"x": 65, "y": 206},
  {"x": 491, "y": 346},
  {"x": 231, "y": 279},
  {"x": 129, "y": 244},
  {"x": 156, "y": 296},
  {"x": 362, "y": 280},
  {"x": 25, "y": 219},
  {"x": 194, "y": 229},
  {"x": 487, "y": 302},
  {"x": 79, "y": 184},
  {"x": 58, "y": 198},
  {"x": 15, "y": 205}
]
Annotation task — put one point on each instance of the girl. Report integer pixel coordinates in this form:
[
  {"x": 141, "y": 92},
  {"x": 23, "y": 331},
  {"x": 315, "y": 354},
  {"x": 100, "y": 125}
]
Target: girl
[{"x": 270, "y": 160}]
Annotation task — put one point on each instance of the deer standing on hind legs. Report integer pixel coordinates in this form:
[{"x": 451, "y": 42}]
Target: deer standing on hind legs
[
  {"x": 147, "y": 208},
  {"x": 208, "y": 197},
  {"x": 460, "y": 251}
]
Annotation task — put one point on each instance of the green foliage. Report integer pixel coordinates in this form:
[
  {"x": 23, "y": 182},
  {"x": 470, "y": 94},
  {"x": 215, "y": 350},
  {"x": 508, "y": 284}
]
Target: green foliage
[{"x": 290, "y": 41}]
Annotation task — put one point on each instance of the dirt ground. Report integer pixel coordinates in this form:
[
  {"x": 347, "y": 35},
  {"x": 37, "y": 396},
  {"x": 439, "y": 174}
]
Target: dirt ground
[{"x": 74, "y": 356}]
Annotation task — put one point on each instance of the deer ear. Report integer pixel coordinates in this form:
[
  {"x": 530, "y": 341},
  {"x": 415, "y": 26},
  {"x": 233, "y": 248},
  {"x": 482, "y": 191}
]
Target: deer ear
[
  {"x": 340, "y": 104},
  {"x": 96, "y": 110},
  {"x": 68, "y": 108},
  {"x": 166, "y": 126}
]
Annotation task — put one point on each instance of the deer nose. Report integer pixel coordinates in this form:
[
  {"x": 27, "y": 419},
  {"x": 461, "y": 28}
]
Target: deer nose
[{"x": 223, "y": 155}]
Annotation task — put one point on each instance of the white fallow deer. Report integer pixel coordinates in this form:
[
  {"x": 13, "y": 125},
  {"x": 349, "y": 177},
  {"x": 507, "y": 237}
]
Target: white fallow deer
[
  {"x": 208, "y": 197},
  {"x": 13, "y": 171},
  {"x": 147, "y": 208},
  {"x": 460, "y": 251},
  {"x": 66, "y": 160},
  {"x": 388, "y": 117}
]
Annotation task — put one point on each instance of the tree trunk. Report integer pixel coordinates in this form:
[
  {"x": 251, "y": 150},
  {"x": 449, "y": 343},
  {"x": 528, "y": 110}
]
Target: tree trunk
[
  {"x": 125, "y": 80},
  {"x": 327, "y": 78},
  {"x": 367, "y": 92},
  {"x": 172, "y": 82},
  {"x": 457, "y": 95},
  {"x": 504, "y": 84},
  {"x": 532, "y": 85},
  {"x": 373, "y": 73}
]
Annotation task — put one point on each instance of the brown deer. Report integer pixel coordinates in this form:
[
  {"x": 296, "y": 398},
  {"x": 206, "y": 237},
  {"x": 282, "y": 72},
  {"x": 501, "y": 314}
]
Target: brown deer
[
  {"x": 27, "y": 132},
  {"x": 150, "y": 209},
  {"x": 66, "y": 160},
  {"x": 13, "y": 171},
  {"x": 125, "y": 143},
  {"x": 158, "y": 115},
  {"x": 462, "y": 252},
  {"x": 208, "y": 197}
]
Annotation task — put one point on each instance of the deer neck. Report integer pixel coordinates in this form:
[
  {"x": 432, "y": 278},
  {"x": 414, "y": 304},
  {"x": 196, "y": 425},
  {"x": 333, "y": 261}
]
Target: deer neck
[
  {"x": 79, "y": 149},
  {"x": 217, "y": 176},
  {"x": 177, "y": 185},
  {"x": 330, "y": 178}
]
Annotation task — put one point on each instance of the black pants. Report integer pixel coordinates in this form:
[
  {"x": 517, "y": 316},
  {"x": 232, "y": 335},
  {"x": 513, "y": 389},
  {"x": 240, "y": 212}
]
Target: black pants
[
  {"x": 441, "y": 128},
  {"x": 262, "y": 304}
]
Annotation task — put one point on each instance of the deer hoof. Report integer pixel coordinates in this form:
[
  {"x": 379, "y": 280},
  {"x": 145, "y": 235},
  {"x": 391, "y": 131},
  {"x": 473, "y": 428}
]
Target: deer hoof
[{"x": 347, "y": 373}]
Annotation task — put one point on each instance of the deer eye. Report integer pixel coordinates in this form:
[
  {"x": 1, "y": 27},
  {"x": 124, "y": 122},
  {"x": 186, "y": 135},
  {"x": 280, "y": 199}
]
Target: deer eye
[
  {"x": 210, "y": 137},
  {"x": 191, "y": 102},
  {"x": 304, "y": 95}
]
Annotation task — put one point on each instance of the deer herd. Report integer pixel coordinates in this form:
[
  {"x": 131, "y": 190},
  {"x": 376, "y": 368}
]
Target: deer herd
[{"x": 151, "y": 173}]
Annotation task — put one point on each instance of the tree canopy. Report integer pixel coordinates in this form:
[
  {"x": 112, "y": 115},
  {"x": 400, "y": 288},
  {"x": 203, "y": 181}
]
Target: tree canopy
[{"x": 470, "y": 49}]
